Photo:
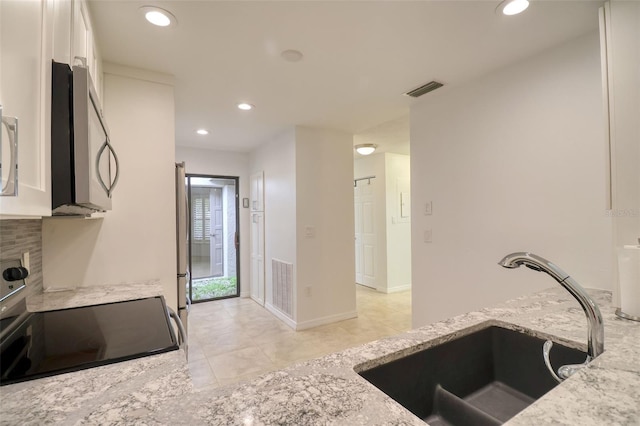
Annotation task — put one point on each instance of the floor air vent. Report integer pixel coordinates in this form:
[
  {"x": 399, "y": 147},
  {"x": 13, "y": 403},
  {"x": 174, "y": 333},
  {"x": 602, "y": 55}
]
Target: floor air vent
[{"x": 425, "y": 88}]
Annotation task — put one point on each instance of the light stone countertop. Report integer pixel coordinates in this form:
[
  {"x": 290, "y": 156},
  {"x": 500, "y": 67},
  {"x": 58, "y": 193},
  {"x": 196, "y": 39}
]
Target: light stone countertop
[
  {"x": 157, "y": 390},
  {"x": 86, "y": 296}
]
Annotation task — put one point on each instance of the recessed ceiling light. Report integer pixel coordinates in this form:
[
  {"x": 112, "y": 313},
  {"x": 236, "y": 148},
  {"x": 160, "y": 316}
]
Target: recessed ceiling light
[
  {"x": 291, "y": 55},
  {"x": 245, "y": 107},
  {"x": 366, "y": 148},
  {"x": 202, "y": 132},
  {"x": 512, "y": 7},
  {"x": 159, "y": 17}
]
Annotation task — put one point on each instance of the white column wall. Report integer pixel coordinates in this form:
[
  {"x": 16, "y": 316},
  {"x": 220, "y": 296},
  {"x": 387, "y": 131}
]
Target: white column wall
[
  {"x": 324, "y": 202},
  {"x": 514, "y": 161}
]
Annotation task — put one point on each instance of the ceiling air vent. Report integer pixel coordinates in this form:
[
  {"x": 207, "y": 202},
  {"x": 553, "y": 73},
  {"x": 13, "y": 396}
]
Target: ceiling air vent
[{"x": 425, "y": 88}]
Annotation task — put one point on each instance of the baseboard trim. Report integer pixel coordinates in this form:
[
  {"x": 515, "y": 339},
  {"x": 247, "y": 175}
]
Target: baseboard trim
[
  {"x": 311, "y": 323},
  {"x": 326, "y": 320},
  {"x": 396, "y": 289},
  {"x": 281, "y": 316}
]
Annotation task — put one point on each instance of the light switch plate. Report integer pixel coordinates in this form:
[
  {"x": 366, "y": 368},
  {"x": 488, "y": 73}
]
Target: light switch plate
[
  {"x": 309, "y": 231},
  {"x": 428, "y": 208}
]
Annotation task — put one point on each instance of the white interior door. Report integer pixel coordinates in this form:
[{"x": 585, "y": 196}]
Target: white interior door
[
  {"x": 365, "y": 238},
  {"x": 257, "y": 257}
]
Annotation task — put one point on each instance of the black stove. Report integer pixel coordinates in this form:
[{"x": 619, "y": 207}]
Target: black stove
[{"x": 41, "y": 344}]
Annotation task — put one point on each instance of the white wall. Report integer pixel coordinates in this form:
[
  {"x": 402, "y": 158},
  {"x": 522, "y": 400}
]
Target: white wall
[
  {"x": 277, "y": 159},
  {"x": 136, "y": 241},
  {"x": 398, "y": 229},
  {"x": 324, "y": 200},
  {"x": 225, "y": 163},
  {"x": 514, "y": 161}
]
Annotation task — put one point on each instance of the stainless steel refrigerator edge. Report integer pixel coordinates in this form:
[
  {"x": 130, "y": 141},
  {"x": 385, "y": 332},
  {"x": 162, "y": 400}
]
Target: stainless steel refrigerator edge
[{"x": 182, "y": 236}]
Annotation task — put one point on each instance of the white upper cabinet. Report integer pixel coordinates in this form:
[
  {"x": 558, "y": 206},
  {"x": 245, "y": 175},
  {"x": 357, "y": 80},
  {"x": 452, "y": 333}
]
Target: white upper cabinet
[
  {"x": 26, "y": 34},
  {"x": 257, "y": 192},
  {"x": 620, "y": 49},
  {"x": 84, "y": 44},
  {"x": 32, "y": 33},
  {"x": 74, "y": 39}
]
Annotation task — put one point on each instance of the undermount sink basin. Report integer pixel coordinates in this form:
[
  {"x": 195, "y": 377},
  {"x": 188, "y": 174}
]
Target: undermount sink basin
[{"x": 482, "y": 378}]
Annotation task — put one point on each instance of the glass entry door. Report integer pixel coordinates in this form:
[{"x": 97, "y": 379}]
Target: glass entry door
[{"x": 213, "y": 240}]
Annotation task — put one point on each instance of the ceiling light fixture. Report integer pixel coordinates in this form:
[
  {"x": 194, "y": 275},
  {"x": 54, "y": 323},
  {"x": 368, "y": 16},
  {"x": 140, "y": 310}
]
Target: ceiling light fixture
[
  {"x": 202, "y": 132},
  {"x": 291, "y": 55},
  {"x": 158, "y": 17},
  {"x": 245, "y": 106},
  {"x": 366, "y": 148},
  {"x": 512, "y": 7}
]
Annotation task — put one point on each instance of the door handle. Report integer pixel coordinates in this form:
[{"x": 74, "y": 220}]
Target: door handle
[
  {"x": 112, "y": 184},
  {"x": 10, "y": 189}
]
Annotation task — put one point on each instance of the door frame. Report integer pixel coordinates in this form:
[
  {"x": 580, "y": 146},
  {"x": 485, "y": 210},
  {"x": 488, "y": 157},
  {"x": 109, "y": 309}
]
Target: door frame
[{"x": 237, "y": 238}]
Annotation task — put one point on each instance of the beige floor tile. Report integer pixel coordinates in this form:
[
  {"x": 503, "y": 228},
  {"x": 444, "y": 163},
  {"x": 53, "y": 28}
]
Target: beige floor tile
[
  {"x": 202, "y": 374},
  {"x": 216, "y": 344},
  {"x": 195, "y": 350},
  {"x": 243, "y": 362},
  {"x": 234, "y": 340}
]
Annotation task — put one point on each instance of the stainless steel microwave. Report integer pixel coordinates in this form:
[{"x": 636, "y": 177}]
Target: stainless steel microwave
[{"x": 84, "y": 165}]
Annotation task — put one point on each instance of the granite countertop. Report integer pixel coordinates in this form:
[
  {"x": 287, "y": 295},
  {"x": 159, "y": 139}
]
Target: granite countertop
[
  {"x": 156, "y": 390},
  {"x": 85, "y": 296}
]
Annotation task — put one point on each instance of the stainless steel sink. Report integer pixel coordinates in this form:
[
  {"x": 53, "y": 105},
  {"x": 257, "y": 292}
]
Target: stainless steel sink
[{"x": 483, "y": 378}]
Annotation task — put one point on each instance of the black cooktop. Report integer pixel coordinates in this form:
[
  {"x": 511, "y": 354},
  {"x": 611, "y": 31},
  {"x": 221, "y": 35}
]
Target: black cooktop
[{"x": 55, "y": 342}]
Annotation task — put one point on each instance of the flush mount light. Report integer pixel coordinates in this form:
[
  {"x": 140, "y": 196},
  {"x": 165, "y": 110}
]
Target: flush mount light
[
  {"x": 512, "y": 7},
  {"x": 366, "y": 148},
  {"x": 202, "y": 132},
  {"x": 157, "y": 16},
  {"x": 245, "y": 107},
  {"x": 291, "y": 55}
]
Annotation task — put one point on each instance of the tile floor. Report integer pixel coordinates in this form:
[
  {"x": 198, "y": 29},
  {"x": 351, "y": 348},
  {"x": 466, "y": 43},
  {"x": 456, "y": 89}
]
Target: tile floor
[{"x": 233, "y": 340}]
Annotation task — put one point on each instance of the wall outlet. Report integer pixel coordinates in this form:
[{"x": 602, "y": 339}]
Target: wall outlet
[
  {"x": 26, "y": 260},
  {"x": 427, "y": 236}
]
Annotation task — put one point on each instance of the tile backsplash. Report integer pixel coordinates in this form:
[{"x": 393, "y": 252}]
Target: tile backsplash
[{"x": 16, "y": 238}]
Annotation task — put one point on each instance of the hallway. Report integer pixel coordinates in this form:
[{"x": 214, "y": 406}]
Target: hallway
[{"x": 233, "y": 340}]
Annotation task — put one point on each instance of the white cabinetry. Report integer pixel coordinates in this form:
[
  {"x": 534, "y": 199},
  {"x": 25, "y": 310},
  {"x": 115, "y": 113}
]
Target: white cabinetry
[
  {"x": 257, "y": 192},
  {"x": 257, "y": 257},
  {"x": 74, "y": 38},
  {"x": 257, "y": 238},
  {"x": 26, "y": 49},
  {"x": 32, "y": 33},
  {"x": 620, "y": 39},
  {"x": 83, "y": 46}
]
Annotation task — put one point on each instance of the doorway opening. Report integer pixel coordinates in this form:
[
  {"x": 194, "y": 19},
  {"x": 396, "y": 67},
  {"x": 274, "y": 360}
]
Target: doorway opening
[{"x": 214, "y": 221}]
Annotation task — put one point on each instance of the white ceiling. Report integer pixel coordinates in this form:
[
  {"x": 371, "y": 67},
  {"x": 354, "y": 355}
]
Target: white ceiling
[{"x": 359, "y": 58}]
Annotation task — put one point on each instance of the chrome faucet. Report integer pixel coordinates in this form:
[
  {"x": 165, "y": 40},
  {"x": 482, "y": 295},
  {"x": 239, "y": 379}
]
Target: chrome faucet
[{"x": 595, "y": 338}]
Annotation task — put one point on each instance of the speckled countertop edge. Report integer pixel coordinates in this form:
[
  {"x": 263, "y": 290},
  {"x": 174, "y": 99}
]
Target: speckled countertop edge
[{"x": 327, "y": 390}]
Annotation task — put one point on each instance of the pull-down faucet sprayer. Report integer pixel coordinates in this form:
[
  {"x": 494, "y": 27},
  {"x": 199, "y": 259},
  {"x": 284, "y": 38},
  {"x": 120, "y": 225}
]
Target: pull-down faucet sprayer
[{"x": 595, "y": 339}]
